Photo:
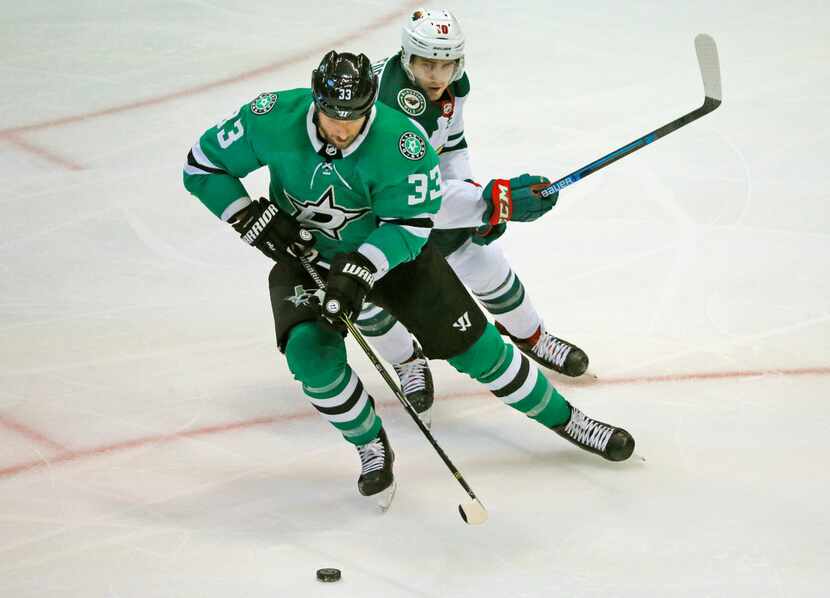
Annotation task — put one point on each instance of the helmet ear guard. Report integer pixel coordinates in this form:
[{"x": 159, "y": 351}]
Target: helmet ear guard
[
  {"x": 432, "y": 34},
  {"x": 344, "y": 86}
]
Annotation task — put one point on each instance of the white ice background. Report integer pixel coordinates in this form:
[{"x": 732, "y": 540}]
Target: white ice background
[{"x": 154, "y": 444}]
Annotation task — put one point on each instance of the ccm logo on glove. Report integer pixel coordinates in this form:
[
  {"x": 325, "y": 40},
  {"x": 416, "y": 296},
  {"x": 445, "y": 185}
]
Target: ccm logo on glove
[{"x": 502, "y": 201}]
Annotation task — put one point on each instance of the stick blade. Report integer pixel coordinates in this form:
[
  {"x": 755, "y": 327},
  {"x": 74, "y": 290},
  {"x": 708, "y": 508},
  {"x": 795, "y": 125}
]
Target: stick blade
[
  {"x": 707, "y": 58},
  {"x": 473, "y": 513}
]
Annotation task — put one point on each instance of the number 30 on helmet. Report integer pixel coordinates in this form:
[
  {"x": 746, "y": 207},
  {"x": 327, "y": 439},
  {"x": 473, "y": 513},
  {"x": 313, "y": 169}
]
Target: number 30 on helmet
[{"x": 433, "y": 34}]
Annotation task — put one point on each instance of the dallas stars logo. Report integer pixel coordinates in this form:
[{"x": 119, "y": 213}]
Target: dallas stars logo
[
  {"x": 323, "y": 214},
  {"x": 264, "y": 103},
  {"x": 303, "y": 296},
  {"x": 412, "y": 147}
]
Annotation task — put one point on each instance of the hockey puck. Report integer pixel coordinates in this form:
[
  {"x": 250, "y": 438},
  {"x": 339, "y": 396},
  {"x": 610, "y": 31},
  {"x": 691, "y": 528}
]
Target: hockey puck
[{"x": 328, "y": 574}]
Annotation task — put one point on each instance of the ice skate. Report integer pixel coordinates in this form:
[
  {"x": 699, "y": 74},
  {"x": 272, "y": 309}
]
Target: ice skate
[
  {"x": 416, "y": 384},
  {"x": 376, "y": 476},
  {"x": 551, "y": 352},
  {"x": 612, "y": 443}
]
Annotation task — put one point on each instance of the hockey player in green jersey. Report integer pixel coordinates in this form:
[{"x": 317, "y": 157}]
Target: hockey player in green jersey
[
  {"x": 355, "y": 188},
  {"x": 427, "y": 81}
]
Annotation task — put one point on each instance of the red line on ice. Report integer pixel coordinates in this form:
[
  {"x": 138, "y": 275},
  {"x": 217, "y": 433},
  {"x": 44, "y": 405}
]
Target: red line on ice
[
  {"x": 159, "y": 439},
  {"x": 30, "y": 433},
  {"x": 43, "y": 153},
  {"x": 273, "y": 66}
]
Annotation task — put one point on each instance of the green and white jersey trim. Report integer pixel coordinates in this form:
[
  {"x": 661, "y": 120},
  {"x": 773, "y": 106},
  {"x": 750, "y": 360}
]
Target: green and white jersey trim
[
  {"x": 311, "y": 128},
  {"x": 377, "y": 257},
  {"x": 242, "y": 202},
  {"x": 203, "y": 164}
]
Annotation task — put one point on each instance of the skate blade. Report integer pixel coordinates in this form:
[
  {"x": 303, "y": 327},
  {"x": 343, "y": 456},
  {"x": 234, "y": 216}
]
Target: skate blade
[
  {"x": 586, "y": 379},
  {"x": 426, "y": 418},
  {"x": 384, "y": 497}
]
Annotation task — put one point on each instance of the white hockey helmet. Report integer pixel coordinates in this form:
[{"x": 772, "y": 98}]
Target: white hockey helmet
[{"x": 432, "y": 34}]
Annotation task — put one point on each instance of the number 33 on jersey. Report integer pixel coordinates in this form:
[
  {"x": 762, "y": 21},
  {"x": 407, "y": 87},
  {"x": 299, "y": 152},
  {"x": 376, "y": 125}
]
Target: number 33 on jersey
[{"x": 382, "y": 191}]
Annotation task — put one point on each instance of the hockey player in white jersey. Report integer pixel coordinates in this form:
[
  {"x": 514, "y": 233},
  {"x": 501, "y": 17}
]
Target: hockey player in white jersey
[{"x": 427, "y": 81}]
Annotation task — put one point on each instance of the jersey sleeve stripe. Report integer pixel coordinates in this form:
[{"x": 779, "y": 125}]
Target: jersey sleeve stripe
[
  {"x": 201, "y": 158},
  {"x": 377, "y": 257},
  {"x": 194, "y": 162},
  {"x": 452, "y": 143},
  {"x": 417, "y": 231},
  {"x": 420, "y": 221},
  {"x": 194, "y": 171},
  {"x": 238, "y": 204}
]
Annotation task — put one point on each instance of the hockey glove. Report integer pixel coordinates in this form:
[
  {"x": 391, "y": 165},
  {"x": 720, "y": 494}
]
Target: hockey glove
[
  {"x": 274, "y": 233},
  {"x": 488, "y": 233},
  {"x": 516, "y": 199},
  {"x": 350, "y": 279}
]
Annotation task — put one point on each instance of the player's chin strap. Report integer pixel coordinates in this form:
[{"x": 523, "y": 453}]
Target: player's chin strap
[{"x": 472, "y": 512}]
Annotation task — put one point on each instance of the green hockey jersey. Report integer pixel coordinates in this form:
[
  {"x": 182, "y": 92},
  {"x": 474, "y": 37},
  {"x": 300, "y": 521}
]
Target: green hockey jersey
[
  {"x": 379, "y": 195},
  {"x": 442, "y": 122}
]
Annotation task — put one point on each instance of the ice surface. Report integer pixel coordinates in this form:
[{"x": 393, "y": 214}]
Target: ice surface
[{"x": 153, "y": 444}]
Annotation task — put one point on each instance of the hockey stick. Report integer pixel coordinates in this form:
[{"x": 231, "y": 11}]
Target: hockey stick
[
  {"x": 707, "y": 57},
  {"x": 472, "y": 512}
]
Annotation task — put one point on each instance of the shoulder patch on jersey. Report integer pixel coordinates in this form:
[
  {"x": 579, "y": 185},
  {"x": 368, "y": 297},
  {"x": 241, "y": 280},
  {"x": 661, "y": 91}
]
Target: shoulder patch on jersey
[
  {"x": 264, "y": 103},
  {"x": 412, "y": 147},
  {"x": 412, "y": 101}
]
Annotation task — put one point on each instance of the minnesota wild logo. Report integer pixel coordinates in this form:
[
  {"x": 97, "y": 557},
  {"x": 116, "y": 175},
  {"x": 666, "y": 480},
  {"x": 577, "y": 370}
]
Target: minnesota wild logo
[
  {"x": 412, "y": 101},
  {"x": 412, "y": 147},
  {"x": 264, "y": 103}
]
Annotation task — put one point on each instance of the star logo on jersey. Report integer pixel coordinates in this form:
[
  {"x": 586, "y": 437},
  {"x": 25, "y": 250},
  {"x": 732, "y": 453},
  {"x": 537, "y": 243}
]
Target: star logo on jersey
[
  {"x": 412, "y": 147},
  {"x": 302, "y": 296},
  {"x": 324, "y": 214},
  {"x": 264, "y": 103}
]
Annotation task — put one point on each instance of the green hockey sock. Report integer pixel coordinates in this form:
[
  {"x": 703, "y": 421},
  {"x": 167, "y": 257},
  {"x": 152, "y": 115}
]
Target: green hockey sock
[
  {"x": 317, "y": 358},
  {"x": 513, "y": 378}
]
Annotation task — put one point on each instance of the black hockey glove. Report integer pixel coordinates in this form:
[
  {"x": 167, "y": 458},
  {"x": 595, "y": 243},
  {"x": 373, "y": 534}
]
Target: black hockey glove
[
  {"x": 350, "y": 279},
  {"x": 274, "y": 233},
  {"x": 516, "y": 199}
]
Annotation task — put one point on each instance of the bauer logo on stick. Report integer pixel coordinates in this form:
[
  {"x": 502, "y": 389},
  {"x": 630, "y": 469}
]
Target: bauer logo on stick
[{"x": 412, "y": 147}]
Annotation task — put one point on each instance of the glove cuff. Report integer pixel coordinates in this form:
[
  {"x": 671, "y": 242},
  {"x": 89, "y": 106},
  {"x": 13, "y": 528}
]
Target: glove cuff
[{"x": 501, "y": 199}]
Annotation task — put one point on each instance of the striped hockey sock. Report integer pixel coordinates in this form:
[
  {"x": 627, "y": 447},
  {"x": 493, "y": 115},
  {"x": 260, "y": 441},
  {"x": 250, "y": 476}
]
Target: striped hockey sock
[
  {"x": 317, "y": 358},
  {"x": 347, "y": 406},
  {"x": 511, "y": 306},
  {"x": 510, "y": 375},
  {"x": 505, "y": 297}
]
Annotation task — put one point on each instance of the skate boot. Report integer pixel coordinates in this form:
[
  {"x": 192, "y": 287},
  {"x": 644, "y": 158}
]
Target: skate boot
[
  {"x": 614, "y": 444},
  {"x": 376, "y": 476},
  {"x": 416, "y": 384},
  {"x": 551, "y": 352}
]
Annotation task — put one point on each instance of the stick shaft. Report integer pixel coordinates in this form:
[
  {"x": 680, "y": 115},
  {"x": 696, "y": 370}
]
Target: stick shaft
[
  {"x": 709, "y": 63},
  {"x": 361, "y": 340},
  {"x": 708, "y": 105}
]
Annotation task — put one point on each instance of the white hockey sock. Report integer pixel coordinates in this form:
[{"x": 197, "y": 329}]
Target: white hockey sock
[
  {"x": 395, "y": 345},
  {"x": 522, "y": 321}
]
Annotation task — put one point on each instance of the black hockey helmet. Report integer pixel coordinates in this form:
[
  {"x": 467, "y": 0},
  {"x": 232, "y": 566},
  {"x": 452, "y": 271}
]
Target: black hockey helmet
[{"x": 344, "y": 86}]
